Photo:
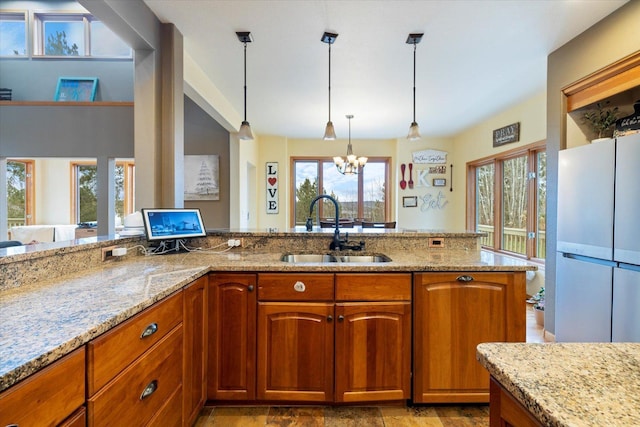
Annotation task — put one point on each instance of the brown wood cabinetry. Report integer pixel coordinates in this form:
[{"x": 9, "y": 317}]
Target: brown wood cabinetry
[
  {"x": 136, "y": 367},
  {"x": 195, "y": 340},
  {"x": 304, "y": 325},
  {"x": 232, "y": 337},
  {"x": 506, "y": 411},
  {"x": 453, "y": 313},
  {"x": 49, "y": 397}
]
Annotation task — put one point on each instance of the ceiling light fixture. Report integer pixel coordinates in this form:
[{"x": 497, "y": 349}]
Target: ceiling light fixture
[
  {"x": 414, "y": 130},
  {"x": 245, "y": 129},
  {"x": 351, "y": 165},
  {"x": 329, "y": 131}
]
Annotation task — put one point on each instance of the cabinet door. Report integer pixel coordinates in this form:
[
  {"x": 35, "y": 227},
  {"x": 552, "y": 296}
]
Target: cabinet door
[
  {"x": 453, "y": 313},
  {"x": 373, "y": 351},
  {"x": 195, "y": 338},
  {"x": 295, "y": 351},
  {"x": 232, "y": 337}
]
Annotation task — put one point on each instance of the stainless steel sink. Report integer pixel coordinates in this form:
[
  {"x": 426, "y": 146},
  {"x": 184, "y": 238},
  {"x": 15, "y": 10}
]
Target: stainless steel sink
[
  {"x": 363, "y": 258},
  {"x": 302, "y": 258},
  {"x": 328, "y": 258}
]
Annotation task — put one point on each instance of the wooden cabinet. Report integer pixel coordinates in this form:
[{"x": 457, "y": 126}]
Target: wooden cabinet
[
  {"x": 49, "y": 397},
  {"x": 232, "y": 337},
  {"x": 195, "y": 346},
  {"x": 453, "y": 313},
  {"x": 306, "y": 321},
  {"x": 136, "y": 367},
  {"x": 506, "y": 411}
]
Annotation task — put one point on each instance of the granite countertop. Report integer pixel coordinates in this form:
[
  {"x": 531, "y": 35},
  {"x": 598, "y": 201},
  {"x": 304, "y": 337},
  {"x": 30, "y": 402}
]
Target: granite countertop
[
  {"x": 46, "y": 319},
  {"x": 570, "y": 384}
]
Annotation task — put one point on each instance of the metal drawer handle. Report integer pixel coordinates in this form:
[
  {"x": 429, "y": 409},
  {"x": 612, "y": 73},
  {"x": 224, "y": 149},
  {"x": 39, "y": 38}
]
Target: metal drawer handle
[
  {"x": 341, "y": 318},
  {"x": 464, "y": 278},
  {"x": 250, "y": 288},
  {"x": 329, "y": 318},
  {"x": 149, "y": 330},
  {"x": 299, "y": 286},
  {"x": 149, "y": 389}
]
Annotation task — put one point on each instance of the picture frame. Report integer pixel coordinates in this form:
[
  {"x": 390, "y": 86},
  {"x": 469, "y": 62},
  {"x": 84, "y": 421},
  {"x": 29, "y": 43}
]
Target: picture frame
[
  {"x": 76, "y": 89},
  {"x": 439, "y": 182},
  {"x": 410, "y": 201},
  {"x": 201, "y": 177}
]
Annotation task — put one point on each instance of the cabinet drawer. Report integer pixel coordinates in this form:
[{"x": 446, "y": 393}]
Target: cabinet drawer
[
  {"x": 295, "y": 287},
  {"x": 158, "y": 373},
  {"x": 47, "y": 397},
  {"x": 113, "y": 351},
  {"x": 373, "y": 287}
]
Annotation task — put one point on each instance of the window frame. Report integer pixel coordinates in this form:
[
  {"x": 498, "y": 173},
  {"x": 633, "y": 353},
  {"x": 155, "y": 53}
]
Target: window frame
[
  {"x": 5, "y": 16},
  {"x": 29, "y": 197},
  {"x": 531, "y": 151},
  {"x": 129, "y": 186},
  {"x": 320, "y": 160}
]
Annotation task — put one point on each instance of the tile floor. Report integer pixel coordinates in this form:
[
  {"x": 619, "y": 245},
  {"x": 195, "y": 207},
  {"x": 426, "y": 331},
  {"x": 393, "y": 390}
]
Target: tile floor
[{"x": 383, "y": 416}]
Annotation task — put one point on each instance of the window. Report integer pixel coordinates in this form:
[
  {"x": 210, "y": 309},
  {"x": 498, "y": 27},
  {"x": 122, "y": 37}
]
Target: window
[
  {"x": 507, "y": 200},
  {"x": 13, "y": 34},
  {"x": 19, "y": 192},
  {"x": 85, "y": 194},
  {"x": 361, "y": 196},
  {"x": 76, "y": 35}
]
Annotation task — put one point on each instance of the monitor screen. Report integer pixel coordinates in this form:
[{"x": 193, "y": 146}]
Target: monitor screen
[{"x": 171, "y": 224}]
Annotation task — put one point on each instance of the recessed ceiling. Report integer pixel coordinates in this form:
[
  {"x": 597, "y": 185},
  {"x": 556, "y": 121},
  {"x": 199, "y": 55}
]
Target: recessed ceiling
[{"x": 476, "y": 58}]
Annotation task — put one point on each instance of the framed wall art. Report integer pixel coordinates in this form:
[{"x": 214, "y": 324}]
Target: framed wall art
[
  {"x": 76, "y": 89},
  {"x": 439, "y": 182},
  {"x": 201, "y": 177},
  {"x": 409, "y": 201}
]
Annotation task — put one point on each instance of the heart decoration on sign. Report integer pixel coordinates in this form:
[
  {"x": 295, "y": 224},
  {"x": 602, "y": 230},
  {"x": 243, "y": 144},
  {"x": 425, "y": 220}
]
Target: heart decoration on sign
[{"x": 272, "y": 181}]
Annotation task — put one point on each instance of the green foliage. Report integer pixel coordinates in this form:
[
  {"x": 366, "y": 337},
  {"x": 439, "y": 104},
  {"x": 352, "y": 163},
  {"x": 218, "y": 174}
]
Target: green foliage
[
  {"x": 58, "y": 45},
  {"x": 304, "y": 195},
  {"x": 601, "y": 120},
  {"x": 88, "y": 193},
  {"x": 16, "y": 191}
]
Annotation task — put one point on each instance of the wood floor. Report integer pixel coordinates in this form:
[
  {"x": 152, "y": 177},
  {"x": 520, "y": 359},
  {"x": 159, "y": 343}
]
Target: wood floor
[{"x": 383, "y": 416}]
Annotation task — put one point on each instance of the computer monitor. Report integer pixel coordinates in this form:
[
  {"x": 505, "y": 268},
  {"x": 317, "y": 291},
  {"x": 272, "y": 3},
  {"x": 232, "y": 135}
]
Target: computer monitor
[{"x": 171, "y": 224}]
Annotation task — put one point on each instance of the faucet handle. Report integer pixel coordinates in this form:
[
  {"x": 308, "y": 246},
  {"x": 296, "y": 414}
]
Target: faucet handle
[{"x": 309, "y": 224}]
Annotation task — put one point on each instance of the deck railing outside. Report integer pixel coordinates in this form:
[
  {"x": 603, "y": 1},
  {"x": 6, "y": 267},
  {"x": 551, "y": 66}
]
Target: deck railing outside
[{"x": 514, "y": 239}]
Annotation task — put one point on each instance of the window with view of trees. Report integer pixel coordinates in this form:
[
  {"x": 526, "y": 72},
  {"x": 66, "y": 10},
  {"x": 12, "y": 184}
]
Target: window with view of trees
[
  {"x": 19, "y": 192},
  {"x": 85, "y": 184},
  {"x": 508, "y": 200},
  {"x": 76, "y": 34},
  {"x": 361, "y": 196}
]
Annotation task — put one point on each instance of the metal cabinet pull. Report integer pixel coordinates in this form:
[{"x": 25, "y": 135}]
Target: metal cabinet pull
[
  {"x": 464, "y": 278},
  {"x": 329, "y": 318},
  {"x": 250, "y": 288},
  {"x": 149, "y": 330},
  {"x": 341, "y": 318},
  {"x": 149, "y": 389}
]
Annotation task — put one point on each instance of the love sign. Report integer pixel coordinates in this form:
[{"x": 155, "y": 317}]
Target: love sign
[{"x": 272, "y": 187}]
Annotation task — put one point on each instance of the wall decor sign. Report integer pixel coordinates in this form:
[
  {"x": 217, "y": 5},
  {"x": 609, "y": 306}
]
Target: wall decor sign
[
  {"x": 438, "y": 170},
  {"x": 410, "y": 201},
  {"x": 201, "y": 177},
  {"x": 431, "y": 202},
  {"x": 76, "y": 89},
  {"x": 429, "y": 156},
  {"x": 506, "y": 135},
  {"x": 439, "y": 182},
  {"x": 272, "y": 187}
]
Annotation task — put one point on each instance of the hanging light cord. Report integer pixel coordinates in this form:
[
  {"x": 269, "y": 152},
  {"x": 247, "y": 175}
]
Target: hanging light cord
[
  {"x": 414, "y": 82},
  {"x": 329, "y": 81},
  {"x": 245, "y": 82}
]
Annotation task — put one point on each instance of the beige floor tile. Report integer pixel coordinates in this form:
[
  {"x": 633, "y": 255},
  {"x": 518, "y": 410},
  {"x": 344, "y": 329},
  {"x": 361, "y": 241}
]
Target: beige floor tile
[
  {"x": 463, "y": 416},
  {"x": 410, "y": 417},
  {"x": 203, "y": 417},
  {"x": 352, "y": 417},
  {"x": 295, "y": 417},
  {"x": 239, "y": 417}
]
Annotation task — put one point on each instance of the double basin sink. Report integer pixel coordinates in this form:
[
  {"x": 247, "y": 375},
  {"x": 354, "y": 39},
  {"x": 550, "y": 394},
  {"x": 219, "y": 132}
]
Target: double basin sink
[{"x": 330, "y": 258}]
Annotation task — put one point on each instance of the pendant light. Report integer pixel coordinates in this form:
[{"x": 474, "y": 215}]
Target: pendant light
[
  {"x": 414, "y": 130},
  {"x": 245, "y": 129},
  {"x": 329, "y": 132},
  {"x": 349, "y": 165}
]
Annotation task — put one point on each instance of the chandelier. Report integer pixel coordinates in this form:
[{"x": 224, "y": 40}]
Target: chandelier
[{"x": 351, "y": 164}]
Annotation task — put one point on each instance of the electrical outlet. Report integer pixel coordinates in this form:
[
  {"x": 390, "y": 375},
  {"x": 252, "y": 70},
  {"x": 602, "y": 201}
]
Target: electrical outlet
[
  {"x": 107, "y": 253},
  {"x": 238, "y": 242}
]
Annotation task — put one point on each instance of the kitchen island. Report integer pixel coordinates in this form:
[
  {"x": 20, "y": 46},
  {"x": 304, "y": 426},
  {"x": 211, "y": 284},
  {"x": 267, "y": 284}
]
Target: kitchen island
[{"x": 563, "y": 384}]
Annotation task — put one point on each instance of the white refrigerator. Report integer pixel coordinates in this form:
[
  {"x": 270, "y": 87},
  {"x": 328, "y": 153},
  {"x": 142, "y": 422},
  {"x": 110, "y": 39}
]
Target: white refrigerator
[{"x": 598, "y": 243}]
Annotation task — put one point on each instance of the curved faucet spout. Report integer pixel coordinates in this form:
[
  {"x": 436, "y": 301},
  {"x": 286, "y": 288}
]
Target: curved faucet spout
[{"x": 335, "y": 244}]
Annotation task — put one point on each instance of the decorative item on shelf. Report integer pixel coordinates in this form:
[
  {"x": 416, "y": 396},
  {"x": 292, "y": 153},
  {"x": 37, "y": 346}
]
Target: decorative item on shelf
[
  {"x": 601, "y": 120},
  {"x": 5, "y": 94},
  {"x": 329, "y": 132},
  {"x": 76, "y": 89},
  {"x": 629, "y": 124},
  {"x": 351, "y": 164},
  {"x": 245, "y": 128},
  {"x": 414, "y": 129}
]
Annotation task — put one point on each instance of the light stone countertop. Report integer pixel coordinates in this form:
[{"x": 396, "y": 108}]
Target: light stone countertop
[
  {"x": 570, "y": 384},
  {"x": 44, "y": 320}
]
